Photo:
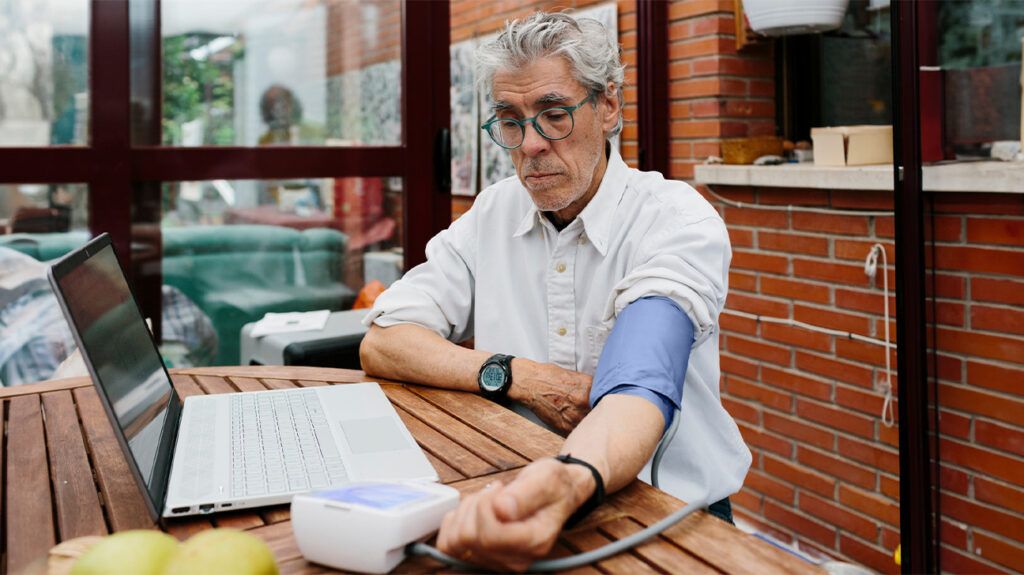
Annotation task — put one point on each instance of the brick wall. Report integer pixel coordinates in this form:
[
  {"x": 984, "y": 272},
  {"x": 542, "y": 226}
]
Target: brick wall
[{"x": 473, "y": 18}]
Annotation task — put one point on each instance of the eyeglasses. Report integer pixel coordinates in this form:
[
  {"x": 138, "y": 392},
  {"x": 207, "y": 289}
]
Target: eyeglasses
[{"x": 552, "y": 124}]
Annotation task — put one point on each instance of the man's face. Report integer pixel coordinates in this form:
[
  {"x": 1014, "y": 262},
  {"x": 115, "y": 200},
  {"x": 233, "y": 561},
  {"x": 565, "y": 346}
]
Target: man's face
[{"x": 556, "y": 173}]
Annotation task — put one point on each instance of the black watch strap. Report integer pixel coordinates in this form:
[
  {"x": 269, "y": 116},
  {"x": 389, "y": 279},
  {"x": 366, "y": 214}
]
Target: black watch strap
[
  {"x": 596, "y": 498},
  {"x": 505, "y": 361}
]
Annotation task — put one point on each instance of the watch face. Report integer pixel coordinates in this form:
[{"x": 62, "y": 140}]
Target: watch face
[{"x": 492, "y": 378}]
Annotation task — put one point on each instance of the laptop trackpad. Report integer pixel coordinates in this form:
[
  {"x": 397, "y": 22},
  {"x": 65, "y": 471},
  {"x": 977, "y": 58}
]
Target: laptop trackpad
[{"x": 373, "y": 435}]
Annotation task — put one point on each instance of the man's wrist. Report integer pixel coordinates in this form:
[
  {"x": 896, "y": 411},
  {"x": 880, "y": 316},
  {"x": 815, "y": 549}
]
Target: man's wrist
[
  {"x": 588, "y": 487},
  {"x": 520, "y": 390}
]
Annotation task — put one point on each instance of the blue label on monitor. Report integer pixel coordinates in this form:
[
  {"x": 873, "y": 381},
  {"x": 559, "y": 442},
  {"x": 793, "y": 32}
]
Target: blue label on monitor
[{"x": 382, "y": 496}]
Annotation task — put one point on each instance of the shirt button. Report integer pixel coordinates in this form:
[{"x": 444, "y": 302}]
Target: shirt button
[
  {"x": 562, "y": 331},
  {"x": 583, "y": 239},
  {"x": 560, "y": 267}
]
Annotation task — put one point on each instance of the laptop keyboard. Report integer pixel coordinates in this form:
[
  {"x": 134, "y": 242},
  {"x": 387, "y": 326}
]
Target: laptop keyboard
[{"x": 281, "y": 442}]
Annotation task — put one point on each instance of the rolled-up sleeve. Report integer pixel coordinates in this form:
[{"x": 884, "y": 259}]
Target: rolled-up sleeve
[
  {"x": 687, "y": 262},
  {"x": 437, "y": 294}
]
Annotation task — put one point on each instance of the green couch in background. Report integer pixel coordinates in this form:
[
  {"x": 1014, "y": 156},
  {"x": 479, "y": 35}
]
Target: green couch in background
[{"x": 235, "y": 273}]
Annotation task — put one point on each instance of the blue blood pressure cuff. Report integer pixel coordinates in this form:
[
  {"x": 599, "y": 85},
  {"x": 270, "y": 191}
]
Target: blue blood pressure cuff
[{"x": 646, "y": 355}]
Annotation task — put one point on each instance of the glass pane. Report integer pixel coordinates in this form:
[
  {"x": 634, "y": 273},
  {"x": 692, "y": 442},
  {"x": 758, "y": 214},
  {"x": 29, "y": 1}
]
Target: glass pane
[
  {"x": 44, "y": 72},
  {"x": 38, "y": 224},
  {"x": 856, "y": 68},
  {"x": 235, "y": 250},
  {"x": 250, "y": 72}
]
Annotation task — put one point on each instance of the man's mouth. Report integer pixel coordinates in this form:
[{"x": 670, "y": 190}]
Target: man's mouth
[{"x": 542, "y": 177}]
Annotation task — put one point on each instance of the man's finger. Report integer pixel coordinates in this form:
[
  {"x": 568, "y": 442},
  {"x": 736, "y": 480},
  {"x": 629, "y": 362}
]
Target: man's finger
[{"x": 536, "y": 487}]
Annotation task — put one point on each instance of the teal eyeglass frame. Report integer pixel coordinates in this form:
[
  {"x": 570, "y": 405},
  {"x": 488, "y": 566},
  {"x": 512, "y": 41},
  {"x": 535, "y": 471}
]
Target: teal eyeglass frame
[{"x": 522, "y": 123}]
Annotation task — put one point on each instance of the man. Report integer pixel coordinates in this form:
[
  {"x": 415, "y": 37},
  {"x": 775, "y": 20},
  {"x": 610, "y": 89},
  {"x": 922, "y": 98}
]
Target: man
[{"x": 577, "y": 250}]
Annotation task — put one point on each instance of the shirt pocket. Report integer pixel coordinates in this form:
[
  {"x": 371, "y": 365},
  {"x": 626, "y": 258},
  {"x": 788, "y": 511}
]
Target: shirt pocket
[{"x": 596, "y": 335}]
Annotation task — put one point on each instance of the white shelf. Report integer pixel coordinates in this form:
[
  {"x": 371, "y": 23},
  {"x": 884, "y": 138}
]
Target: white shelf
[{"x": 997, "y": 177}]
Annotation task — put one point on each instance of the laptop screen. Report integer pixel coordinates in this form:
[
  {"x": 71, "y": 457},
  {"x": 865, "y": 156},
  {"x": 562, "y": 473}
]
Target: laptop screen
[{"x": 125, "y": 364}]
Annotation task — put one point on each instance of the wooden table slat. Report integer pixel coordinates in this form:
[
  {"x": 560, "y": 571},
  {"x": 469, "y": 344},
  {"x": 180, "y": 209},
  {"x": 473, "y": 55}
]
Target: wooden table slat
[
  {"x": 78, "y": 505},
  {"x": 276, "y": 514},
  {"x": 665, "y": 557},
  {"x": 44, "y": 386},
  {"x": 242, "y": 519},
  {"x": 505, "y": 426},
  {"x": 458, "y": 457},
  {"x": 273, "y": 383},
  {"x": 248, "y": 384},
  {"x": 213, "y": 384},
  {"x": 474, "y": 441},
  {"x": 445, "y": 472},
  {"x": 185, "y": 385},
  {"x": 185, "y": 527},
  {"x": 707, "y": 536},
  {"x": 309, "y": 383},
  {"x": 30, "y": 530},
  {"x": 591, "y": 539},
  {"x": 125, "y": 506},
  {"x": 560, "y": 550}
]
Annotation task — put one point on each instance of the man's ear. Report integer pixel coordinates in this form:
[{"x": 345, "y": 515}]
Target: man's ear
[{"x": 612, "y": 108}]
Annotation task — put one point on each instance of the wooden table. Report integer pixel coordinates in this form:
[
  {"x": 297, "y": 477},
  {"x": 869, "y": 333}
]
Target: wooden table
[{"x": 65, "y": 476}]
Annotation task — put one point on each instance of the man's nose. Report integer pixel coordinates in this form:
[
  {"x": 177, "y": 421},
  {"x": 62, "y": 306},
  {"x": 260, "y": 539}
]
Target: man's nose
[{"x": 533, "y": 142}]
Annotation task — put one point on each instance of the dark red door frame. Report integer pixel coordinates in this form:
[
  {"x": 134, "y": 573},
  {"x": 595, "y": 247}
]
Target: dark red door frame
[
  {"x": 652, "y": 85},
  {"x": 112, "y": 168}
]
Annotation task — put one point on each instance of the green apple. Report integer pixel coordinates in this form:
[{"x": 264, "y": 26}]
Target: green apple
[
  {"x": 140, "y": 552},
  {"x": 222, "y": 552}
]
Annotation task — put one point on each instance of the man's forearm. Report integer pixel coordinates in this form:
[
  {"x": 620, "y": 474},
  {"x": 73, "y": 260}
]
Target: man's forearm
[
  {"x": 617, "y": 437},
  {"x": 412, "y": 353}
]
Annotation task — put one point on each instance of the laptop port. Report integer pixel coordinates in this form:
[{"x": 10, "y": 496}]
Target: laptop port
[
  {"x": 225, "y": 505},
  {"x": 180, "y": 510},
  {"x": 206, "y": 508}
]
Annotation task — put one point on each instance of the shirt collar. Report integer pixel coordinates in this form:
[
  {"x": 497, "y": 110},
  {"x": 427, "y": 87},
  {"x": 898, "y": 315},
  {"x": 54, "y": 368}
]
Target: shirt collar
[{"x": 598, "y": 215}]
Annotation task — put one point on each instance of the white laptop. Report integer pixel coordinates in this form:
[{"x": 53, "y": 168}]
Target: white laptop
[{"x": 228, "y": 451}]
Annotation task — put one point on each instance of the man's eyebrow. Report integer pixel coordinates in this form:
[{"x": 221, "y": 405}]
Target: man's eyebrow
[
  {"x": 552, "y": 98},
  {"x": 545, "y": 100}
]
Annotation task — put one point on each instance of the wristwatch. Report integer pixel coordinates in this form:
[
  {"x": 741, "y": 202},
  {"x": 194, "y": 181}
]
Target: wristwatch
[{"x": 495, "y": 377}]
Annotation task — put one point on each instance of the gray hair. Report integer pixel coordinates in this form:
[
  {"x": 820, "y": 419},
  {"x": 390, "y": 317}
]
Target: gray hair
[{"x": 592, "y": 52}]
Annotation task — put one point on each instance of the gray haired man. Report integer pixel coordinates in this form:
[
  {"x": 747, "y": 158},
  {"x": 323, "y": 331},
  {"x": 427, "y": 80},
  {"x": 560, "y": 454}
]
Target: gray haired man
[{"x": 590, "y": 292}]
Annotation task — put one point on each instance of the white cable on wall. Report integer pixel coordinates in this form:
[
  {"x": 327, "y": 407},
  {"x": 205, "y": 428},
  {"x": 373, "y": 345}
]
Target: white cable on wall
[{"x": 791, "y": 208}]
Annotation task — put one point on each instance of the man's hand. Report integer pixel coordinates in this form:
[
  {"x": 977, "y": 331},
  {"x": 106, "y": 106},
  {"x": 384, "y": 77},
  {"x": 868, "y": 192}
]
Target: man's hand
[
  {"x": 508, "y": 527},
  {"x": 560, "y": 397}
]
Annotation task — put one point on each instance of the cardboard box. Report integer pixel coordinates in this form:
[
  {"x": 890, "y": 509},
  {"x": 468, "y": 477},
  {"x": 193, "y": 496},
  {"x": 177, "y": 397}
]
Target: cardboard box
[{"x": 852, "y": 145}]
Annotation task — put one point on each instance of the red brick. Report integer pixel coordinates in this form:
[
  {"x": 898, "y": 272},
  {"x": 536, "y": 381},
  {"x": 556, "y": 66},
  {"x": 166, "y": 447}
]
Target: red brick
[
  {"x": 760, "y": 394},
  {"x": 750, "y": 108},
  {"x": 1003, "y": 231},
  {"x": 1010, "y": 497},
  {"x": 758, "y": 305},
  {"x": 801, "y": 244},
  {"x": 821, "y": 533},
  {"x": 757, "y": 217},
  {"x": 890, "y": 435},
  {"x": 982, "y": 260},
  {"x": 831, "y": 224},
  {"x": 969, "y": 203},
  {"x": 792, "y": 197},
  {"x": 794, "y": 289},
  {"x": 947, "y": 313},
  {"x": 832, "y": 318},
  {"x": 678, "y": 10},
  {"x": 954, "y": 561},
  {"x": 951, "y": 368},
  {"x": 713, "y": 26},
  {"x": 796, "y": 336},
  {"x": 832, "y": 369},
  {"x": 805, "y": 479},
  {"x": 868, "y": 503},
  {"x": 862, "y": 199},
  {"x": 870, "y": 454},
  {"x": 796, "y": 383},
  {"x": 763, "y": 351},
  {"x": 832, "y": 272},
  {"x": 980, "y": 345},
  {"x": 747, "y": 499},
  {"x": 995, "y": 377},
  {"x": 999, "y": 291},
  {"x": 734, "y": 193},
  {"x": 742, "y": 281},
  {"x": 862, "y": 401},
  {"x": 770, "y": 487},
  {"x": 707, "y": 86},
  {"x": 1002, "y": 437},
  {"x": 760, "y": 262},
  {"x": 705, "y": 149},
  {"x": 738, "y": 366},
  {"x": 839, "y": 468},
  {"x": 742, "y": 411},
  {"x": 740, "y": 238},
  {"x": 1004, "y": 553},
  {"x": 947, "y": 286},
  {"x": 868, "y": 302},
  {"x": 975, "y": 402},
  {"x": 954, "y": 424},
  {"x": 836, "y": 418},
  {"x": 766, "y": 441},
  {"x": 870, "y": 555},
  {"x": 762, "y": 88},
  {"x": 993, "y": 463},
  {"x": 953, "y": 533},
  {"x": 890, "y": 538},
  {"x": 858, "y": 250},
  {"x": 863, "y": 352},
  {"x": 834, "y": 515},
  {"x": 1001, "y": 319},
  {"x": 803, "y": 432},
  {"x": 734, "y": 323},
  {"x": 890, "y": 487},
  {"x": 953, "y": 480},
  {"x": 884, "y": 227}
]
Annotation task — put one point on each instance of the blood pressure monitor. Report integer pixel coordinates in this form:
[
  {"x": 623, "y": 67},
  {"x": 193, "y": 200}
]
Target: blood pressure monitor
[{"x": 365, "y": 526}]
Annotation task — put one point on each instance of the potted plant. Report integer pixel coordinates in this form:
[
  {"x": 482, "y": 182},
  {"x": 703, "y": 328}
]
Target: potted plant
[{"x": 787, "y": 17}]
